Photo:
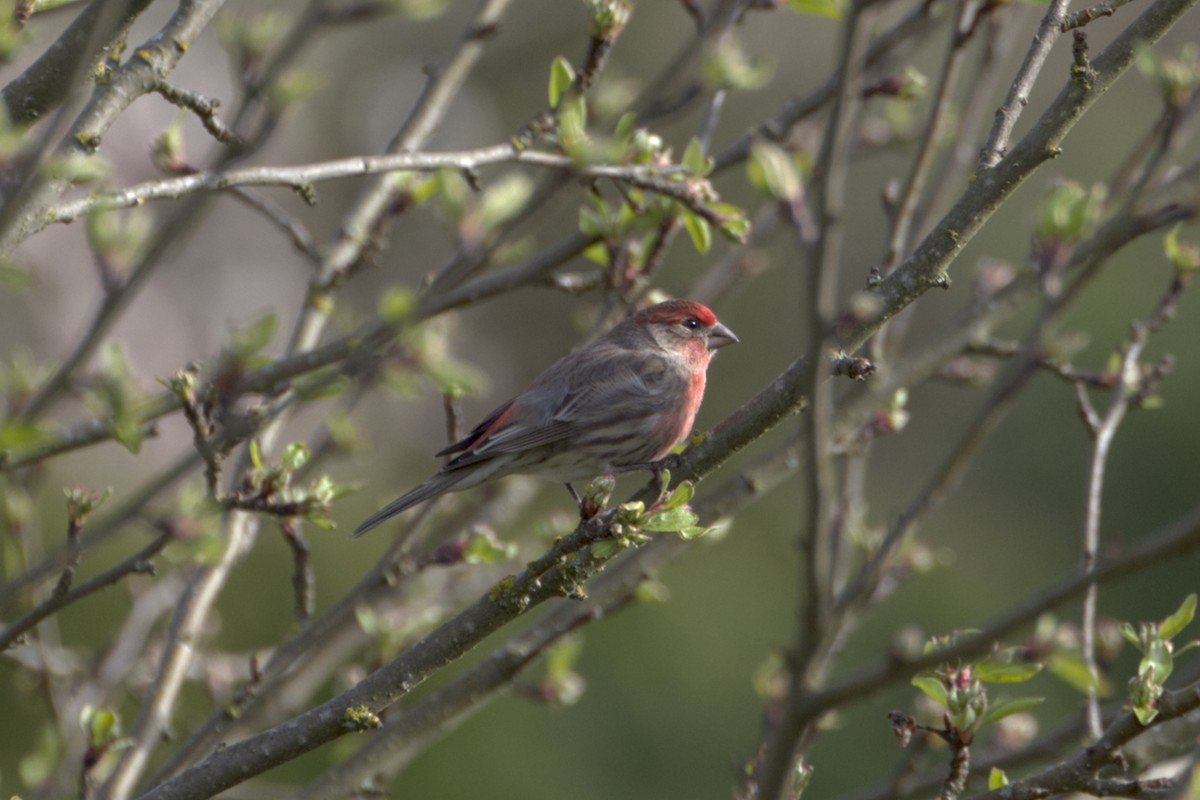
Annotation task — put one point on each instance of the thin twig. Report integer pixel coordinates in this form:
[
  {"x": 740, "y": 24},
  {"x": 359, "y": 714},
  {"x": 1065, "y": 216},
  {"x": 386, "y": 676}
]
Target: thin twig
[
  {"x": 1018, "y": 94},
  {"x": 139, "y": 562}
]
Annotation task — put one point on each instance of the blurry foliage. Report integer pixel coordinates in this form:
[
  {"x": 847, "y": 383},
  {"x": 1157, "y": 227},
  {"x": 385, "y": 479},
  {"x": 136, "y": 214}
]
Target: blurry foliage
[{"x": 214, "y": 357}]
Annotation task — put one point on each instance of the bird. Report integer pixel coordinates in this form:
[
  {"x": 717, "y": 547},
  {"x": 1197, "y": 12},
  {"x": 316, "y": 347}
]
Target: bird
[{"x": 618, "y": 404}]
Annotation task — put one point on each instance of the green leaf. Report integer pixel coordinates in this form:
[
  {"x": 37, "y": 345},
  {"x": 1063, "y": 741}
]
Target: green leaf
[
  {"x": 1145, "y": 714},
  {"x": 255, "y": 456},
  {"x": 485, "y": 548},
  {"x": 14, "y": 277},
  {"x": 329, "y": 382},
  {"x": 18, "y": 434},
  {"x": 572, "y": 126},
  {"x": 623, "y": 130},
  {"x": 771, "y": 170},
  {"x": 101, "y": 724},
  {"x": 671, "y": 519},
  {"x": 562, "y": 75},
  {"x": 997, "y": 779},
  {"x": 1184, "y": 256},
  {"x": 1071, "y": 669},
  {"x": 700, "y": 231},
  {"x": 830, "y": 9},
  {"x": 295, "y": 456},
  {"x": 395, "y": 304},
  {"x": 997, "y": 672},
  {"x": 1127, "y": 630},
  {"x": 1001, "y": 710},
  {"x": 562, "y": 657},
  {"x": 597, "y": 254},
  {"x": 694, "y": 160},
  {"x": 1172, "y": 625},
  {"x": 732, "y": 221},
  {"x": 1069, "y": 211},
  {"x": 681, "y": 495},
  {"x": 504, "y": 199},
  {"x": 1194, "y": 643},
  {"x": 455, "y": 378},
  {"x": 727, "y": 66},
  {"x": 250, "y": 340},
  {"x": 1158, "y": 663},
  {"x": 118, "y": 395},
  {"x": 694, "y": 532},
  {"x": 367, "y": 619},
  {"x": 605, "y": 548},
  {"x": 933, "y": 688}
]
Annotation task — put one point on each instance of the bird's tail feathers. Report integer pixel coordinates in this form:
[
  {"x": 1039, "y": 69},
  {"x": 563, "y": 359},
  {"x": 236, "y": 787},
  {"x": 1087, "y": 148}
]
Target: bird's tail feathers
[{"x": 439, "y": 483}]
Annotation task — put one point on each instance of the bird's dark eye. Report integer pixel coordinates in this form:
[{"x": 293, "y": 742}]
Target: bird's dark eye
[{"x": 691, "y": 323}]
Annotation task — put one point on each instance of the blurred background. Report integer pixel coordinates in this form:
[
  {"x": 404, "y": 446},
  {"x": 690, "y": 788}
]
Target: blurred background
[{"x": 670, "y": 708}]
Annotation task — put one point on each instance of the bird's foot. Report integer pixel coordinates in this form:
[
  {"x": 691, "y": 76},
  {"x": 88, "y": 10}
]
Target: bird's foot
[{"x": 661, "y": 469}]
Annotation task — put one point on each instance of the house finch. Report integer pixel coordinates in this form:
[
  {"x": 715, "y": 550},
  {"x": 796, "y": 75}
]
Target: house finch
[{"x": 617, "y": 404}]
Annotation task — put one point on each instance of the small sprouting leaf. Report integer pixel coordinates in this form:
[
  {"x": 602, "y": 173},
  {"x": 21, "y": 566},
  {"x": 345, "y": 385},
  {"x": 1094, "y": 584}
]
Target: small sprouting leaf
[
  {"x": 695, "y": 161},
  {"x": 102, "y": 725},
  {"x": 1184, "y": 256},
  {"x": 485, "y": 548},
  {"x": 597, "y": 254},
  {"x": 1071, "y": 669},
  {"x": 771, "y": 170},
  {"x": 118, "y": 395},
  {"x": 732, "y": 221},
  {"x": 295, "y": 456},
  {"x": 933, "y": 688},
  {"x": 700, "y": 231},
  {"x": 562, "y": 75},
  {"x": 605, "y": 548},
  {"x": 727, "y": 66},
  {"x": 830, "y": 9},
  {"x": 1009, "y": 707},
  {"x": 1145, "y": 714},
  {"x": 395, "y": 304},
  {"x": 1069, "y": 211},
  {"x": 623, "y": 130},
  {"x": 990, "y": 671},
  {"x": 329, "y": 382},
  {"x": 997, "y": 779},
  {"x": 255, "y": 456},
  {"x": 694, "y": 532},
  {"x": 455, "y": 378},
  {"x": 562, "y": 657},
  {"x": 18, "y": 434},
  {"x": 14, "y": 277},
  {"x": 504, "y": 199},
  {"x": 572, "y": 125},
  {"x": 681, "y": 495},
  {"x": 1158, "y": 663},
  {"x": 249, "y": 341},
  {"x": 1130, "y": 633},
  {"x": 367, "y": 619},
  {"x": 671, "y": 519},
  {"x": 1172, "y": 625}
]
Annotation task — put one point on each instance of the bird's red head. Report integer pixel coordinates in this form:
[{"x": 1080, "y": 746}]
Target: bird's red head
[
  {"x": 675, "y": 312},
  {"x": 686, "y": 327}
]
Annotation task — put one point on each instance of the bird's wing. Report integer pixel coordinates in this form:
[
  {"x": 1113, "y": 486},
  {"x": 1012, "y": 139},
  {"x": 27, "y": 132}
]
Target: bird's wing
[
  {"x": 588, "y": 388},
  {"x": 615, "y": 383},
  {"x": 480, "y": 430}
]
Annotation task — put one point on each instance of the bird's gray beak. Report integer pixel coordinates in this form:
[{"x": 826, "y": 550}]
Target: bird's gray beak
[{"x": 720, "y": 336}]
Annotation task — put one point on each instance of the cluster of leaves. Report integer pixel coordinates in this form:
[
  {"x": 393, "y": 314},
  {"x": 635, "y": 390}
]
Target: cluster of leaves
[
  {"x": 1153, "y": 640},
  {"x": 670, "y": 513},
  {"x": 270, "y": 489},
  {"x": 960, "y": 689}
]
